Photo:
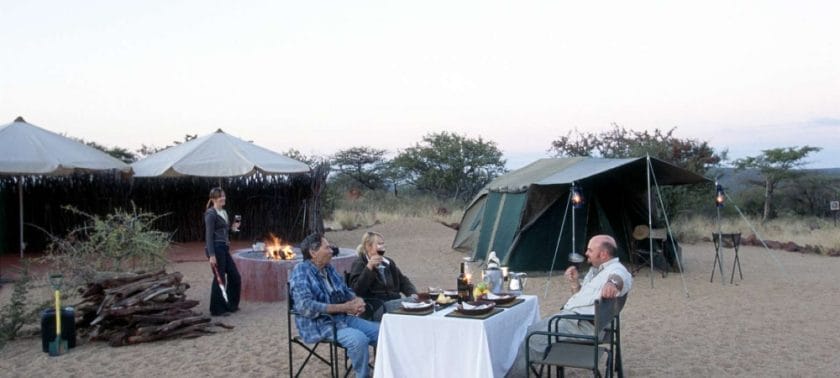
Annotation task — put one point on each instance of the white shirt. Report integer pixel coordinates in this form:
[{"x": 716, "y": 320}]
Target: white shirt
[{"x": 583, "y": 302}]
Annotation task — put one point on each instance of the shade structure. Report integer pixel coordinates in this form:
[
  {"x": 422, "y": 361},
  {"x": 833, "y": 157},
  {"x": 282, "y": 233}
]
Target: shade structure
[
  {"x": 31, "y": 150},
  {"x": 28, "y": 150},
  {"x": 216, "y": 155}
]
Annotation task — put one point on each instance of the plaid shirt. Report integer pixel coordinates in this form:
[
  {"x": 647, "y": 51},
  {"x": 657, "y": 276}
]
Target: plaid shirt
[{"x": 311, "y": 296}]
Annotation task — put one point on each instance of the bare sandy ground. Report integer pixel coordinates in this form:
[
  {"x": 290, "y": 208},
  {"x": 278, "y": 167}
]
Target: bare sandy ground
[{"x": 778, "y": 321}]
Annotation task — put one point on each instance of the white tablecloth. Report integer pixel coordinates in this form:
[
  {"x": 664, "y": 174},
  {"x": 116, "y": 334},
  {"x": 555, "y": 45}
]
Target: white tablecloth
[{"x": 439, "y": 346}]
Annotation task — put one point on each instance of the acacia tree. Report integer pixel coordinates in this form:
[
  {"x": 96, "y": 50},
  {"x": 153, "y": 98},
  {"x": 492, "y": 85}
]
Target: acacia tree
[
  {"x": 619, "y": 142},
  {"x": 145, "y": 150},
  {"x": 450, "y": 165},
  {"x": 364, "y": 165},
  {"x": 775, "y": 165}
]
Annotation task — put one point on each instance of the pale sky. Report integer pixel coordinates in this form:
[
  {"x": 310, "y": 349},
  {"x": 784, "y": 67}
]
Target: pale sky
[{"x": 320, "y": 76}]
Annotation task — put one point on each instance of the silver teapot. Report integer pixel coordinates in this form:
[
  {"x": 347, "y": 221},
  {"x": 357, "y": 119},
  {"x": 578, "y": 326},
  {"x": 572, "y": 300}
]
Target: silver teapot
[{"x": 517, "y": 281}]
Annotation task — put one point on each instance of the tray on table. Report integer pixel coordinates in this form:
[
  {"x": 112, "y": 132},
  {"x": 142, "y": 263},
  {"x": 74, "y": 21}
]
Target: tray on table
[{"x": 456, "y": 314}]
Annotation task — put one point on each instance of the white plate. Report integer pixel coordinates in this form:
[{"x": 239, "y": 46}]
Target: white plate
[{"x": 417, "y": 305}]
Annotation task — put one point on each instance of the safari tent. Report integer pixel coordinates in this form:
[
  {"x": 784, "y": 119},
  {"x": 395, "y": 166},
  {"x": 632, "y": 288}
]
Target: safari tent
[{"x": 520, "y": 214}]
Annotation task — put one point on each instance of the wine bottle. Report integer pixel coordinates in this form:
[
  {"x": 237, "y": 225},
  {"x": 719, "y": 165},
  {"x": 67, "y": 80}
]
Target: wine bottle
[{"x": 463, "y": 285}]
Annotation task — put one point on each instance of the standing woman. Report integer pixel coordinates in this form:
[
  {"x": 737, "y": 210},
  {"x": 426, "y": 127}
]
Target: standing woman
[{"x": 217, "y": 247}]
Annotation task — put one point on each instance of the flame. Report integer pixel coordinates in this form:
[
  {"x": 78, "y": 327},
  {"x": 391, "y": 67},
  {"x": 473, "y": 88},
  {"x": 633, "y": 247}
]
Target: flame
[{"x": 275, "y": 249}]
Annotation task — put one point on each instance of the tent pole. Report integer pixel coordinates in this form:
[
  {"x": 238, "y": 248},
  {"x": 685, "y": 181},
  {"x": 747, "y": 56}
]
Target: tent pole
[
  {"x": 677, "y": 256},
  {"x": 720, "y": 247},
  {"x": 761, "y": 239},
  {"x": 574, "y": 246},
  {"x": 557, "y": 246},
  {"x": 20, "y": 202},
  {"x": 650, "y": 222}
]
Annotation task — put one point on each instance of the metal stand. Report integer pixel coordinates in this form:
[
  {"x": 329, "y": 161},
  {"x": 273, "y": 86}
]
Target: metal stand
[{"x": 718, "y": 239}]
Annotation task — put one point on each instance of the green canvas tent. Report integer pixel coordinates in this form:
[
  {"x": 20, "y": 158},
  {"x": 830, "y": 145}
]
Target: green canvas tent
[{"x": 519, "y": 214}]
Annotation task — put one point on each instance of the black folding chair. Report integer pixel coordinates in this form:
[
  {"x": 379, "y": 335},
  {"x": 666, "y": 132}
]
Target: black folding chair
[
  {"x": 332, "y": 345},
  {"x": 581, "y": 351}
]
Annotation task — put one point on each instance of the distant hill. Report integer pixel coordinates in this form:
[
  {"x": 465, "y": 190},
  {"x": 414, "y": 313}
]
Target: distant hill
[{"x": 736, "y": 181}]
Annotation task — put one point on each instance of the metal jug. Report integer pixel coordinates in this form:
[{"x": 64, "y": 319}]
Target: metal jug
[
  {"x": 517, "y": 281},
  {"x": 493, "y": 278}
]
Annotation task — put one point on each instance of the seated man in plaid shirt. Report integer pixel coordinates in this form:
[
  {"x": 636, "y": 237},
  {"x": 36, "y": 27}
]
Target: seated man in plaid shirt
[{"x": 322, "y": 297}]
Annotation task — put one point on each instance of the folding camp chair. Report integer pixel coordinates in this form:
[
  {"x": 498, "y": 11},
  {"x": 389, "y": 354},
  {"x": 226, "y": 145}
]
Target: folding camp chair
[
  {"x": 333, "y": 346},
  {"x": 581, "y": 351}
]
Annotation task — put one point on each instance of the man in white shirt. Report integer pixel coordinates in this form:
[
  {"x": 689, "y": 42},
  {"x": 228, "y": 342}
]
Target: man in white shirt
[{"x": 607, "y": 278}]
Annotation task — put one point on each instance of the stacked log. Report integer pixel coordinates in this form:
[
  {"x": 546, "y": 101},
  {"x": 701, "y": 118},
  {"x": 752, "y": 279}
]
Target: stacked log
[{"x": 132, "y": 308}]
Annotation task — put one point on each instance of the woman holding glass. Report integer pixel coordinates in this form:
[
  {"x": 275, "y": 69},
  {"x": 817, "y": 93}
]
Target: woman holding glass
[
  {"x": 217, "y": 225},
  {"x": 377, "y": 278}
]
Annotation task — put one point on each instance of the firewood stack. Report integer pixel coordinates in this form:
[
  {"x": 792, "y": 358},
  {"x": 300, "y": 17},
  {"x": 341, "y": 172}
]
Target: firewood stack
[{"x": 133, "y": 308}]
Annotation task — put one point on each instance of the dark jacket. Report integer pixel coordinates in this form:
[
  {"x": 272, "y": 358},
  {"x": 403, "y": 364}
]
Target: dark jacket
[
  {"x": 367, "y": 284},
  {"x": 215, "y": 231}
]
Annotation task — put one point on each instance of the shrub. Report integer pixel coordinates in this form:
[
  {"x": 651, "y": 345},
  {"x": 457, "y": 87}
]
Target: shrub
[
  {"x": 16, "y": 314},
  {"x": 122, "y": 241}
]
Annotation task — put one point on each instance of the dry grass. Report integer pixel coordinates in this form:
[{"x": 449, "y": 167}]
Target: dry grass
[
  {"x": 377, "y": 207},
  {"x": 802, "y": 231}
]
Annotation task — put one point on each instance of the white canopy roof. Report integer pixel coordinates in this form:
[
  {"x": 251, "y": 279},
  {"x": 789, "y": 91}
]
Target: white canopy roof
[
  {"x": 30, "y": 150},
  {"x": 216, "y": 155}
]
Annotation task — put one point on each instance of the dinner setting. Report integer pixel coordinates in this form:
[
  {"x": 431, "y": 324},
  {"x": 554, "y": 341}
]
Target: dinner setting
[{"x": 483, "y": 309}]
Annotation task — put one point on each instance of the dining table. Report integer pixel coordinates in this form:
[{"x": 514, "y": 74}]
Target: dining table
[{"x": 439, "y": 344}]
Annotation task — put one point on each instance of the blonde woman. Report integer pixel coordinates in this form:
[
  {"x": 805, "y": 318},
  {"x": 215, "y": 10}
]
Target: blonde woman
[
  {"x": 377, "y": 278},
  {"x": 217, "y": 224}
]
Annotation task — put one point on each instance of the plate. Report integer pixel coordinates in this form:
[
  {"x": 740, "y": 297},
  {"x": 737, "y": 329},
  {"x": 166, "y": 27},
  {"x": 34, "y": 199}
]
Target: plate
[
  {"x": 417, "y": 306},
  {"x": 475, "y": 308},
  {"x": 451, "y": 293},
  {"x": 449, "y": 301},
  {"x": 500, "y": 298}
]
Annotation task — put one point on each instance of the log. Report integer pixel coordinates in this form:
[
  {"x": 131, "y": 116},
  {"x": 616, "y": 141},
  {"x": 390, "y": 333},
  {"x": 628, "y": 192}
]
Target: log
[
  {"x": 152, "y": 307},
  {"x": 128, "y": 289},
  {"x": 159, "y": 292},
  {"x": 125, "y": 309},
  {"x": 171, "y": 326},
  {"x": 112, "y": 279}
]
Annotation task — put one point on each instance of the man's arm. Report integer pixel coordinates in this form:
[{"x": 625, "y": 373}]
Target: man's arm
[
  {"x": 612, "y": 287},
  {"x": 572, "y": 275}
]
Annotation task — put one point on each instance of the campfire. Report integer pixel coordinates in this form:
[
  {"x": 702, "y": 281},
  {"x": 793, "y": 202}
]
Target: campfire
[{"x": 276, "y": 249}]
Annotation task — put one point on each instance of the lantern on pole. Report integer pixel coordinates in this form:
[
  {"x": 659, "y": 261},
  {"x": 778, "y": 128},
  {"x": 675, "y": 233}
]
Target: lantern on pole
[{"x": 577, "y": 200}]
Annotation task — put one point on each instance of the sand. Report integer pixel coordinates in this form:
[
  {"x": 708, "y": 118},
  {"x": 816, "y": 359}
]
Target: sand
[{"x": 778, "y": 321}]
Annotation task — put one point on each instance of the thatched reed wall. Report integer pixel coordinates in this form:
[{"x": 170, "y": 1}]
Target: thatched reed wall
[{"x": 283, "y": 205}]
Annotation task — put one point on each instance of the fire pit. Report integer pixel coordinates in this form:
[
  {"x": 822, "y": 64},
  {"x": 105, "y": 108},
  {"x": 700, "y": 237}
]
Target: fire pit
[{"x": 265, "y": 273}]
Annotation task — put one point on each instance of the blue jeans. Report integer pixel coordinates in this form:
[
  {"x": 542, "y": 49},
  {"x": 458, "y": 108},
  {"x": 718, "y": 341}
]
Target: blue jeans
[{"x": 356, "y": 337}]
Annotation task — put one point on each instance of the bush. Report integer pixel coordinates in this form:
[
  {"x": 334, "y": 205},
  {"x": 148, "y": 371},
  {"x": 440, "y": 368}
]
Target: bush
[
  {"x": 122, "y": 241},
  {"x": 14, "y": 315}
]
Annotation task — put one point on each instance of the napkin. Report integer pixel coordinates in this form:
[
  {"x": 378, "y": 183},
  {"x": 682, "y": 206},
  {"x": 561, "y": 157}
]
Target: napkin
[
  {"x": 467, "y": 306},
  {"x": 492, "y": 260},
  {"x": 492, "y": 296}
]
